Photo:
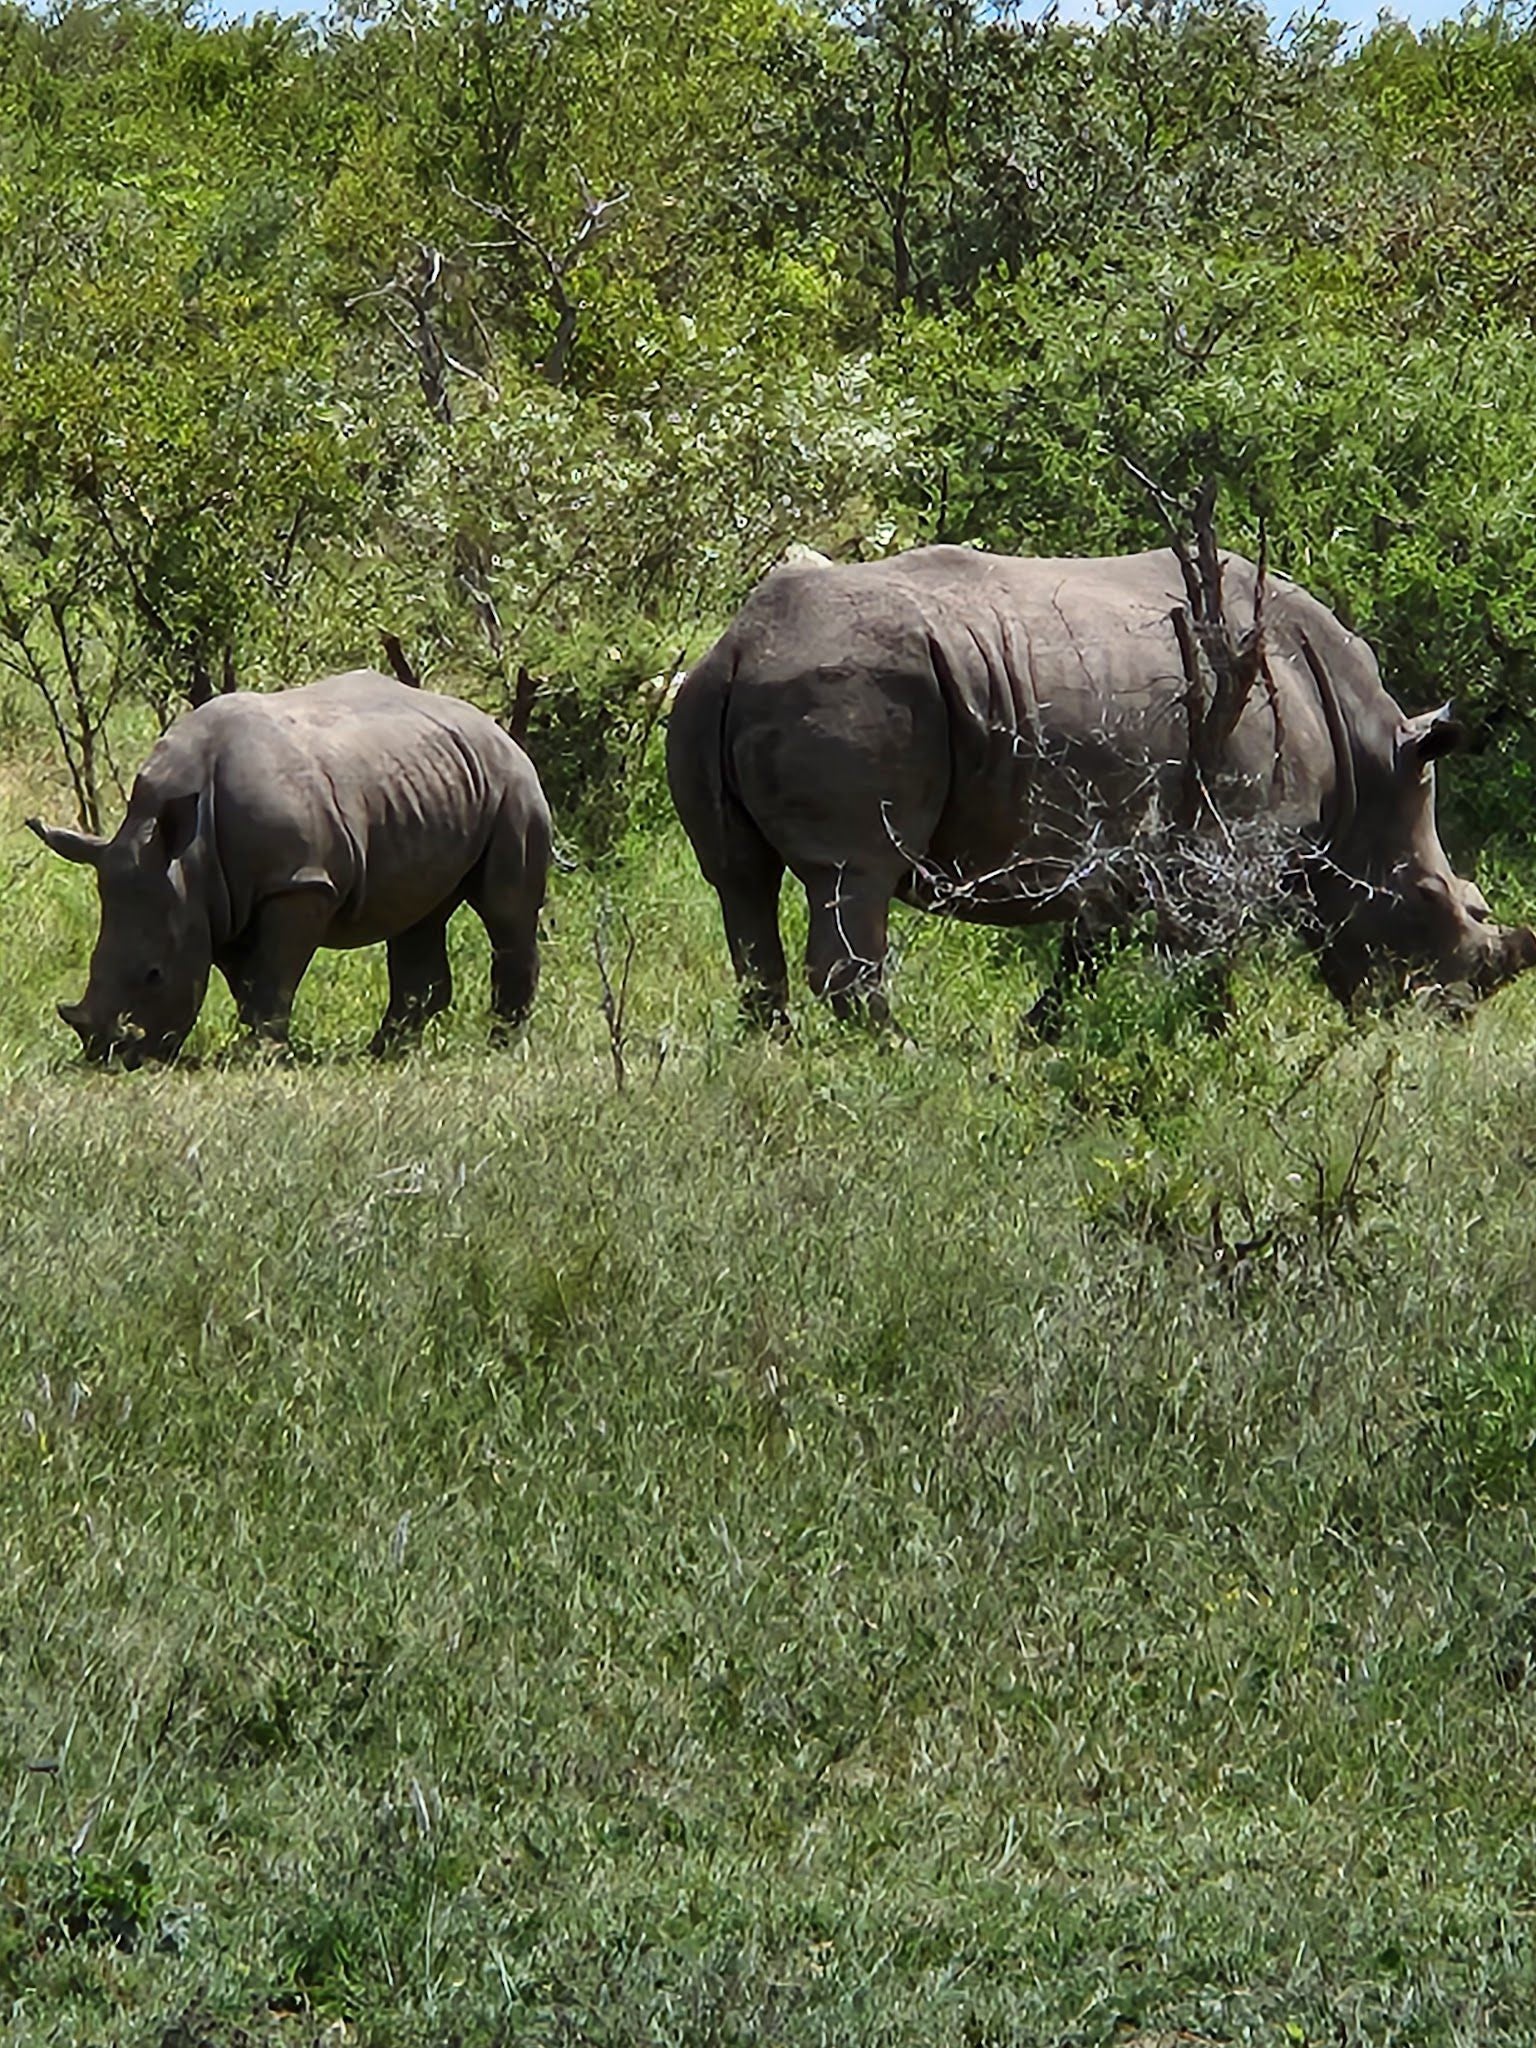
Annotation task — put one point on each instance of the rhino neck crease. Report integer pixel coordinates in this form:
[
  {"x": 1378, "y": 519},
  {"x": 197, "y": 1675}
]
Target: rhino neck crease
[
  {"x": 199, "y": 884},
  {"x": 1337, "y": 827},
  {"x": 206, "y": 882}
]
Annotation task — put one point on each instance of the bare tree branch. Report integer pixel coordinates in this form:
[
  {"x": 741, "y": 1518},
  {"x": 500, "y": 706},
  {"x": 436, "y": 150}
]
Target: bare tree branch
[
  {"x": 596, "y": 219},
  {"x": 398, "y": 660},
  {"x": 615, "y": 999},
  {"x": 522, "y": 703},
  {"x": 1221, "y": 663}
]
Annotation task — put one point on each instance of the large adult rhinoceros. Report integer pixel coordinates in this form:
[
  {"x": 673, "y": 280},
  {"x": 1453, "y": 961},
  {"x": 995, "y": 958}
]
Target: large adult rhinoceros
[
  {"x": 263, "y": 827},
  {"x": 991, "y": 737}
]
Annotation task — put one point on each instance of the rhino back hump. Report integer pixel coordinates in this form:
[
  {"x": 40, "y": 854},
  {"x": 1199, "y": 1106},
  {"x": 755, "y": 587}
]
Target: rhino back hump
[
  {"x": 392, "y": 792},
  {"x": 1061, "y": 682}
]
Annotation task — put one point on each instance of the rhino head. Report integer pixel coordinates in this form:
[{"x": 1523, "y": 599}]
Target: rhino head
[
  {"x": 1386, "y": 894},
  {"x": 149, "y": 969}
]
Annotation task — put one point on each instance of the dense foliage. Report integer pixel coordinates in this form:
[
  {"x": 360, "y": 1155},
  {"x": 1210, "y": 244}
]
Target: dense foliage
[{"x": 534, "y": 334}]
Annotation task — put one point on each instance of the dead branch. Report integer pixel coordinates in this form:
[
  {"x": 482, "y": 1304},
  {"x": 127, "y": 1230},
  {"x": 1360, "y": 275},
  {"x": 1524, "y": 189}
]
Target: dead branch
[
  {"x": 1206, "y": 896},
  {"x": 557, "y": 267},
  {"x": 423, "y": 289},
  {"x": 1221, "y": 663},
  {"x": 399, "y": 661},
  {"x": 1208, "y": 887},
  {"x": 27, "y": 660},
  {"x": 472, "y": 573},
  {"x": 615, "y": 999},
  {"x": 1195, "y": 794},
  {"x": 528, "y": 687}
]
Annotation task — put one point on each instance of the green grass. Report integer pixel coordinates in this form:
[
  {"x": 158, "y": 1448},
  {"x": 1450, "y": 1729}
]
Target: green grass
[{"x": 826, "y": 1545}]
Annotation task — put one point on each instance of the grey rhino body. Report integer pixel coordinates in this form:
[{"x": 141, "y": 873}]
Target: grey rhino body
[
  {"x": 977, "y": 734},
  {"x": 263, "y": 827}
]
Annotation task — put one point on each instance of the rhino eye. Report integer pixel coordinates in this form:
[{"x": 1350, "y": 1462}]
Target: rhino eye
[{"x": 153, "y": 976}]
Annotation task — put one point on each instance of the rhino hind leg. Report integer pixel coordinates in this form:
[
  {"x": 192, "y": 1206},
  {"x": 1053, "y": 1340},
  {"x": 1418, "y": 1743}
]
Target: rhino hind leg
[
  {"x": 749, "y": 905},
  {"x": 507, "y": 895},
  {"x": 514, "y": 977},
  {"x": 747, "y": 875},
  {"x": 847, "y": 941},
  {"x": 420, "y": 983}
]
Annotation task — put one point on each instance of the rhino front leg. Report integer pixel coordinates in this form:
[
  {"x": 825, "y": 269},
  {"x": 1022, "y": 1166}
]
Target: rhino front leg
[
  {"x": 265, "y": 972},
  {"x": 420, "y": 984},
  {"x": 1077, "y": 969},
  {"x": 847, "y": 941}
]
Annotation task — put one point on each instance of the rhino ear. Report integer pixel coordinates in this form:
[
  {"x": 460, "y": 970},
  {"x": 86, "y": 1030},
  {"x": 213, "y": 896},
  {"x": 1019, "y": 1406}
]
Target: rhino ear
[
  {"x": 80, "y": 846},
  {"x": 176, "y": 826},
  {"x": 1425, "y": 738}
]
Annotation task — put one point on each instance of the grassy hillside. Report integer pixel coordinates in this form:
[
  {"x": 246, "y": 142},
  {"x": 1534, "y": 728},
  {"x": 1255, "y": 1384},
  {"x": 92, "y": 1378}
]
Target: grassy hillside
[{"x": 825, "y": 1544}]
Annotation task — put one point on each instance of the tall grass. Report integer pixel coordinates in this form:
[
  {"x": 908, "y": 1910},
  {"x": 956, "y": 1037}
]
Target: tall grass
[{"x": 963, "y": 1545}]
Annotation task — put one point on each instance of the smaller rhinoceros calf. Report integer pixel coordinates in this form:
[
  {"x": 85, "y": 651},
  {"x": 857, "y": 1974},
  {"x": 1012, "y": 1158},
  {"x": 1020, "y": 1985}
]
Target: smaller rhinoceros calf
[{"x": 263, "y": 827}]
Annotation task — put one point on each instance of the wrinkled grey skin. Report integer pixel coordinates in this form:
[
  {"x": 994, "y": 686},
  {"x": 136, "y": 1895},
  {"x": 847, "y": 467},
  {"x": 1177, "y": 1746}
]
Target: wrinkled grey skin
[
  {"x": 264, "y": 827},
  {"x": 961, "y": 730}
]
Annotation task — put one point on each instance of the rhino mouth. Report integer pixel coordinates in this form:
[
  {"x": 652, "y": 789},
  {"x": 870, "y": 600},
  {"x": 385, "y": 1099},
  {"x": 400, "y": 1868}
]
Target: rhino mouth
[
  {"x": 127, "y": 1053},
  {"x": 1511, "y": 951},
  {"x": 124, "y": 1044},
  {"x": 132, "y": 1053}
]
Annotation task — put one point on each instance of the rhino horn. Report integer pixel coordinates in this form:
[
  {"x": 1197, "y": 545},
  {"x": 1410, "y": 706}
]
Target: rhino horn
[
  {"x": 74, "y": 1016},
  {"x": 80, "y": 846}
]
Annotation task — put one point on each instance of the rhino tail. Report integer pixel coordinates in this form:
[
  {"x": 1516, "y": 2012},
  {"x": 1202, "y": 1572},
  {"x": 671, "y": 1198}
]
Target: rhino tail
[{"x": 697, "y": 769}]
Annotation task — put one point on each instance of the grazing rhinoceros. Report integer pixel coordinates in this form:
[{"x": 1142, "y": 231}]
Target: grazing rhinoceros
[
  {"x": 1009, "y": 740},
  {"x": 263, "y": 827}
]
